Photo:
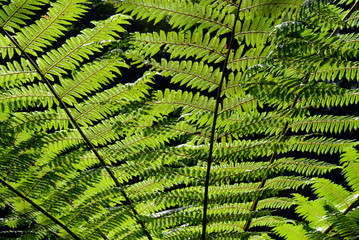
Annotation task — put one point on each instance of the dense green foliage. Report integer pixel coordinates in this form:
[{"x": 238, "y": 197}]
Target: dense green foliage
[
  {"x": 334, "y": 214},
  {"x": 216, "y": 155}
]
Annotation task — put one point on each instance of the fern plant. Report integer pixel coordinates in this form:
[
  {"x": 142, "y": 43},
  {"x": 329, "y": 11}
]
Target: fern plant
[{"x": 83, "y": 157}]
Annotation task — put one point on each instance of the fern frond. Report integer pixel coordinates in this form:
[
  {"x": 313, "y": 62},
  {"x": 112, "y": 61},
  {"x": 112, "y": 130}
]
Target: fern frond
[
  {"x": 14, "y": 15},
  {"x": 181, "y": 45},
  {"x": 332, "y": 124},
  {"x": 304, "y": 166},
  {"x": 37, "y": 121},
  {"x": 320, "y": 145},
  {"x": 281, "y": 183},
  {"x": 6, "y": 48},
  {"x": 244, "y": 60},
  {"x": 275, "y": 203},
  {"x": 191, "y": 103},
  {"x": 349, "y": 161},
  {"x": 184, "y": 14},
  {"x": 269, "y": 221},
  {"x": 43, "y": 32},
  {"x": 16, "y": 73},
  {"x": 107, "y": 102},
  {"x": 347, "y": 225},
  {"x": 333, "y": 193},
  {"x": 76, "y": 49},
  {"x": 23, "y": 97},
  {"x": 291, "y": 232},
  {"x": 192, "y": 74},
  {"x": 88, "y": 79},
  {"x": 312, "y": 211}
]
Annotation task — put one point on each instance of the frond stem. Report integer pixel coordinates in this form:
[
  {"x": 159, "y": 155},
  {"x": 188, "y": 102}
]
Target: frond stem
[
  {"x": 19, "y": 194},
  {"x": 351, "y": 10},
  {"x": 215, "y": 116},
  {"x": 271, "y": 160},
  {"x": 77, "y": 126}
]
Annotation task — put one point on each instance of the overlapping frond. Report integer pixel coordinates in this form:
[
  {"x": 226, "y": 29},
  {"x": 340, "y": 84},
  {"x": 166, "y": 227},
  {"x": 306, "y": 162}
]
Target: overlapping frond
[
  {"x": 269, "y": 63},
  {"x": 62, "y": 117},
  {"x": 215, "y": 154},
  {"x": 334, "y": 215}
]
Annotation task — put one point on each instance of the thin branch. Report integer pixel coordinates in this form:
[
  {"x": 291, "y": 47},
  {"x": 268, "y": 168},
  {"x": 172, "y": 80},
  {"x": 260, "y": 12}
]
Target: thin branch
[
  {"x": 215, "y": 116},
  {"x": 77, "y": 126},
  {"x": 273, "y": 157}
]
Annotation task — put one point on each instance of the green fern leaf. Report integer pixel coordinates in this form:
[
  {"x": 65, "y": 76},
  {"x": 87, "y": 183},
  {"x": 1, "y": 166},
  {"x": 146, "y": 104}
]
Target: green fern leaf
[
  {"x": 76, "y": 49},
  {"x": 14, "y": 15},
  {"x": 50, "y": 26},
  {"x": 349, "y": 160}
]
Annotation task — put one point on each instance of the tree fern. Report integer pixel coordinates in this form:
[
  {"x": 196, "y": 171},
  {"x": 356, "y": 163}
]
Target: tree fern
[{"x": 213, "y": 156}]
